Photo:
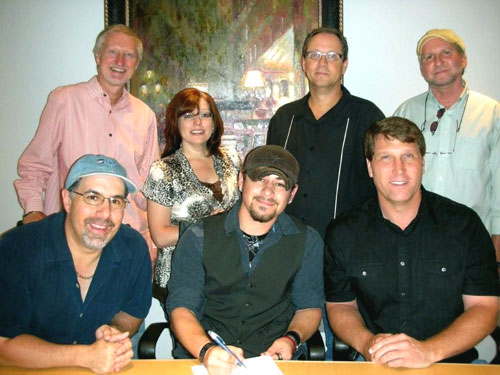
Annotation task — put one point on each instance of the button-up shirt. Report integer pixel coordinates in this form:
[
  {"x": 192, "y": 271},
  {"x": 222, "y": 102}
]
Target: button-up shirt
[
  {"x": 410, "y": 281},
  {"x": 462, "y": 160}
]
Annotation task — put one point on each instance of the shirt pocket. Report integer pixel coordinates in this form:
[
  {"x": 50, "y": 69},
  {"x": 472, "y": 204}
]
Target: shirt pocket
[
  {"x": 367, "y": 281},
  {"x": 470, "y": 153},
  {"x": 366, "y": 270}
]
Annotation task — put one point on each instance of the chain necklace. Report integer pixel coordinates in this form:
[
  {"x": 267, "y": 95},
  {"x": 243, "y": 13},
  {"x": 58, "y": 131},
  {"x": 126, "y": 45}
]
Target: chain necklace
[{"x": 85, "y": 277}]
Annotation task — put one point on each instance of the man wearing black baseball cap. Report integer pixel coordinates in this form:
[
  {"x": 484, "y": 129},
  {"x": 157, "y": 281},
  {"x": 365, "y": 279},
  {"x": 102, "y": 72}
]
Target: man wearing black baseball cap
[
  {"x": 76, "y": 285},
  {"x": 253, "y": 275}
]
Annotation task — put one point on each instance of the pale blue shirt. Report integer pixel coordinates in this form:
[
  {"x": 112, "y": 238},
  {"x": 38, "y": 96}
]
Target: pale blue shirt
[{"x": 462, "y": 160}]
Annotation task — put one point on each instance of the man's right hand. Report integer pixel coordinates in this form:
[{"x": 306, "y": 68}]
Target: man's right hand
[
  {"x": 219, "y": 362},
  {"x": 104, "y": 357},
  {"x": 33, "y": 216}
]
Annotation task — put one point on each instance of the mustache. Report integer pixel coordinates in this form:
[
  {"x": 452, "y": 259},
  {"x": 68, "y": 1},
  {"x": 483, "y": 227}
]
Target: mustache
[
  {"x": 261, "y": 198},
  {"x": 101, "y": 222}
]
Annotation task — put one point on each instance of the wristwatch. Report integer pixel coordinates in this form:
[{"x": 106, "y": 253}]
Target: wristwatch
[{"x": 204, "y": 350}]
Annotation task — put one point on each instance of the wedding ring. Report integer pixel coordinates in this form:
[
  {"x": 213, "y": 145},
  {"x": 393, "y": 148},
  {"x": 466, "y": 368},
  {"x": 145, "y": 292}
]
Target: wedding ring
[{"x": 280, "y": 358}]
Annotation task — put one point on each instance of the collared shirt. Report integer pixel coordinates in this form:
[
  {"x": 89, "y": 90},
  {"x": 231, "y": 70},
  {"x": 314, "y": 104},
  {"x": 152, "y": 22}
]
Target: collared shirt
[
  {"x": 410, "y": 281},
  {"x": 333, "y": 176},
  {"x": 462, "y": 160},
  {"x": 186, "y": 285},
  {"x": 40, "y": 293},
  {"x": 79, "y": 119}
]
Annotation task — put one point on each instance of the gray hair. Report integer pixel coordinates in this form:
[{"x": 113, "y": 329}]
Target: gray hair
[{"x": 117, "y": 29}]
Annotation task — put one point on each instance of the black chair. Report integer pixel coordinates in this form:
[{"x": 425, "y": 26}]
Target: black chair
[{"x": 148, "y": 340}]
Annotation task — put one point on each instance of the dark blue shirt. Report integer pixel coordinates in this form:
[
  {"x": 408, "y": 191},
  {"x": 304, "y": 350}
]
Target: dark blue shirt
[
  {"x": 186, "y": 285},
  {"x": 40, "y": 293}
]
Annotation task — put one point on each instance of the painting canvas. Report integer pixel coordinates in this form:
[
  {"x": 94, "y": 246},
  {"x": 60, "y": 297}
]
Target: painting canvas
[{"x": 245, "y": 53}]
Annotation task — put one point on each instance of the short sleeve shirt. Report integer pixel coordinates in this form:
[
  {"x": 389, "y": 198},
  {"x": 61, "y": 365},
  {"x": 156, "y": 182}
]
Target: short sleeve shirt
[{"x": 40, "y": 293}]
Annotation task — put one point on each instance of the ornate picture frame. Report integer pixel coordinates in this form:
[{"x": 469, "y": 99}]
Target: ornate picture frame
[{"x": 246, "y": 54}]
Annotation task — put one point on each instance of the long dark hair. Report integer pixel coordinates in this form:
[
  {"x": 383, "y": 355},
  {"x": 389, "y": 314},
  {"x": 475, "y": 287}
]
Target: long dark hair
[{"x": 185, "y": 101}]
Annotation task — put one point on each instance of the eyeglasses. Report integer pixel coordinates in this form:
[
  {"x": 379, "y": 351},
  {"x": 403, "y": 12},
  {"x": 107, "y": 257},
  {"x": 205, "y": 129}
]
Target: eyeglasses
[
  {"x": 330, "y": 56},
  {"x": 95, "y": 199},
  {"x": 202, "y": 116},
  {"x": 435, "y": 123}
]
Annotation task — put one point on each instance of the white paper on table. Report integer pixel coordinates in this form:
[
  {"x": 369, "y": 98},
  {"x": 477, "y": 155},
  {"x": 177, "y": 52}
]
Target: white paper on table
[{"x": 255, "y": 366}]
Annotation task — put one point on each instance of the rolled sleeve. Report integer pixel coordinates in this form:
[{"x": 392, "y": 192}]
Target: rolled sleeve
[
  {"x": 307, "y": 290},
  {"x": 187, "y": 280}
]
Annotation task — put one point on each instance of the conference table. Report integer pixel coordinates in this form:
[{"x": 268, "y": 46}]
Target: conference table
[{"x": 183, "y": 367}]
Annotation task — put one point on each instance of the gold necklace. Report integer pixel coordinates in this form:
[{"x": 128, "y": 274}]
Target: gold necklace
[{"x": 85, "y": 277}]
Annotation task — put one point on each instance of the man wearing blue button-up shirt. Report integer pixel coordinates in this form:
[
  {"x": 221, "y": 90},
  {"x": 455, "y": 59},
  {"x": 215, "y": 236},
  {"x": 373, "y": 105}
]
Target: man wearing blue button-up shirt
[
  {"x": 461, "y": 129},
  {"x": 410, "y": 276},
  {"x": 76, "y": 285}
]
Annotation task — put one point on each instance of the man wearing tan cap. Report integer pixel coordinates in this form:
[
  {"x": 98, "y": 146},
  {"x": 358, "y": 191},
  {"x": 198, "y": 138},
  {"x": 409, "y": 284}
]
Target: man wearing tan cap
[{"x": 461, "y": 129}]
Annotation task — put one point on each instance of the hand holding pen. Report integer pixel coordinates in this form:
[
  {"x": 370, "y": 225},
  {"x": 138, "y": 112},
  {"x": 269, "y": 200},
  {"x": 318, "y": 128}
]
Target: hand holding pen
[{"x": 218, "y": 340}]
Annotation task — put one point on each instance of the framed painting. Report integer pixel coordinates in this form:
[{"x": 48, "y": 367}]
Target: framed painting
[{"x": 245, "y": 53}]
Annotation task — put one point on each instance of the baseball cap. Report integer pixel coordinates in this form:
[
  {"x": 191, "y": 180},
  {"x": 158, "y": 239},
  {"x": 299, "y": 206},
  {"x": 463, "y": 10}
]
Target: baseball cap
[
  {"x": 91, "y": 165},
  {"x": 445, "y": 34},
  {"x": 265, "y": 160}
]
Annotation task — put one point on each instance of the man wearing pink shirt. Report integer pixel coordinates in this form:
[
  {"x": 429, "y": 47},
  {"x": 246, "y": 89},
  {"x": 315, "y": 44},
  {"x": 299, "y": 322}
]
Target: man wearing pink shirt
[{"x": 97, "y": 117}]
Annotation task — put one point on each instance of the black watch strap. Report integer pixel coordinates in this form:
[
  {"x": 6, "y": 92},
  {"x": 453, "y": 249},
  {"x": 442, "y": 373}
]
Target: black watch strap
[
  {"x": 295, "y": 337},
  {"x": 204, "y": 350}
]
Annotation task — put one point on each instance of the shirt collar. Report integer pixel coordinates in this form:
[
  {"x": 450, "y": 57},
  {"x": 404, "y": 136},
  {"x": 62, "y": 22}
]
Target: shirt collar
[
  {"x": 97, "y": 92},
  {"x": 461, "y": 99},
  {"x": 425, "y": 212}
]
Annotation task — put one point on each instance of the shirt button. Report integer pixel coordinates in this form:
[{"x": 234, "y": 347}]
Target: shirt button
[
  {"x": 110, "y": 111},
  {"x": 242, "y": 322},
  {"x": 77, "y": 285},
  {"x": 305, "y": 195},
  {"x": 443, "y": 269},
  {"x": 247, "y": 304},
  {"x": 403, "y": 294},
  {"x": 402, "y": 264},
  {"x": 250, "y": 285},
  {"x": 81, "y": 315},
  {"x": 311, "y": 148},
  {"x": 110, "y": 134},
  {"x": 75, "y": 342},
  {"x": 364, "y": 273},
  {"x": 238, "y": 341}
]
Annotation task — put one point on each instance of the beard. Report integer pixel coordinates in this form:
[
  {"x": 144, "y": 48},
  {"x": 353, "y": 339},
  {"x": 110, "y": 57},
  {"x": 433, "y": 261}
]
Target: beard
[
  {"x": 260, "y": 216},
  {"x": 96, "y": 241}
]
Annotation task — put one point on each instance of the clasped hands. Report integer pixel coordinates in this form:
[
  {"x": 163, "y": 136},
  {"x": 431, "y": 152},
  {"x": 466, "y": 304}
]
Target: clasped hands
[
  {"x": 111, "y": 351},
  {"x": 398, "y": 350}
]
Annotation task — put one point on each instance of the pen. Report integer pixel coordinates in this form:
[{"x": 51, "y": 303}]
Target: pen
[{"x": 218, "y": 340}]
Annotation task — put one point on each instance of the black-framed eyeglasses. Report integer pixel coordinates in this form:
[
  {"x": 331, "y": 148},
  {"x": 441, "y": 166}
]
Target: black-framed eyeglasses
[
  {"x": 330, "y": 56},
  {"x": 202, "y": 115},
  {"x": 96, "y": 199}
]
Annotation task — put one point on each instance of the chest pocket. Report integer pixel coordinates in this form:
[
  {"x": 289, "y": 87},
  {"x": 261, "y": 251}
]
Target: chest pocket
[{"x": 470, "y": 153}]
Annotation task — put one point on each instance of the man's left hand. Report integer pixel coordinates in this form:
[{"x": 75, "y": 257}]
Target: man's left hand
[
  {"x": 401, "y": 351},
  {"x": 281, "y": 348}
]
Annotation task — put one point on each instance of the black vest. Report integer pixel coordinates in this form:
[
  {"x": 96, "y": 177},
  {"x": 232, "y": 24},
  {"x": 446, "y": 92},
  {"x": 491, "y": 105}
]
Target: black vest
[{"x": 249, "y": 310}]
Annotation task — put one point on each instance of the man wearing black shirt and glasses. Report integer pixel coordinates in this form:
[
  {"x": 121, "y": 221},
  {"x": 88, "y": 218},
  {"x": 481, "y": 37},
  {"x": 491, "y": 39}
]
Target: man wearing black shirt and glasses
[{"x": 410, "y": 276}]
